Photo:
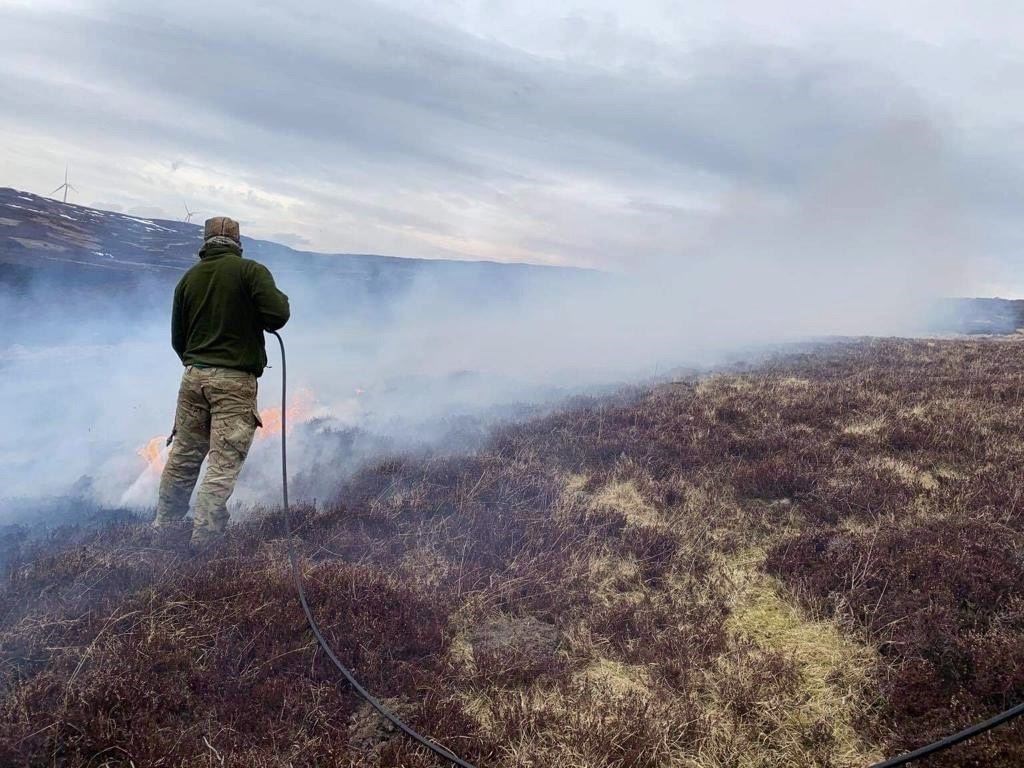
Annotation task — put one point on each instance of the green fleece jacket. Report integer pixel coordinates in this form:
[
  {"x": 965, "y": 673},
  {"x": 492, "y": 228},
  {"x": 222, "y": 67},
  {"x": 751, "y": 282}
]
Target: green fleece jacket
[{"x": 222, "y": 306}]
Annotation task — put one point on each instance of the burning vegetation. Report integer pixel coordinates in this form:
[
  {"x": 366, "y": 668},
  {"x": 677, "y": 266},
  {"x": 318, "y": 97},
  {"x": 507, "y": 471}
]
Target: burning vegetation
[
  {"x": 303, "y": 404},
  {"x": 812, "y": 562}
]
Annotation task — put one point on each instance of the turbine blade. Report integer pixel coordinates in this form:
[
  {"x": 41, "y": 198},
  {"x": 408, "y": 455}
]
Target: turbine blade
[{"x": 58, "y": 189}]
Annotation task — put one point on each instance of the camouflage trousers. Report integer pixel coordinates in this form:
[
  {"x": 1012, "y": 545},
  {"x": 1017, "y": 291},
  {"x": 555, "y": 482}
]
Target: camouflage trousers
[{"x": 216, "y": 417}]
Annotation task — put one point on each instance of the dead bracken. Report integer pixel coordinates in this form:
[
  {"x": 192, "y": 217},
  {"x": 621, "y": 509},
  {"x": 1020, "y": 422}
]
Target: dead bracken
[{"x": 813, "y": 562}]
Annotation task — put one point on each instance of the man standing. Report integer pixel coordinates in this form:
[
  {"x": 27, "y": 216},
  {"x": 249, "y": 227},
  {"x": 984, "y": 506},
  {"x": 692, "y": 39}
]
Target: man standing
[{"x": 222, "y": 306}]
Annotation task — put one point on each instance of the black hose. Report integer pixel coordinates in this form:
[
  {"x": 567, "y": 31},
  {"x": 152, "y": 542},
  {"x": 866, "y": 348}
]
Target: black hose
[
  {"x": 297, "y": 577},
  {"x": 956, "y": 738}
]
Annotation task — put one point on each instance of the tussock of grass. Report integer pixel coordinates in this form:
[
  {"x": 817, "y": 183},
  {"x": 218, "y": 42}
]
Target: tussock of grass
[
  {"x": 614, "y": 678},
  {"x": 615, "y": 579},
  {"x": 625, "y": 498},
  {"x": 907, "y": 472},
  {"x": 867, "y": 427},
  {"x": 794, "y": 382}
]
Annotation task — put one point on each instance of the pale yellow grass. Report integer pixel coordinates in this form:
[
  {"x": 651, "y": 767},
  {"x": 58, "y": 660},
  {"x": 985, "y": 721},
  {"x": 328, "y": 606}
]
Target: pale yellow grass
[
  {"x": 624, "y": 496},
  {"x": 906, "y": 472},
  {"x": 866, "y": 427},
  {"x": 616, "y": 679},
  {"x": 834, "y": 674}
]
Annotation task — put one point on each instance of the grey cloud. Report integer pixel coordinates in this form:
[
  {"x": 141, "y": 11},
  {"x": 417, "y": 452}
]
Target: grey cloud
[
  {"x": 408, "y": 124},
  {"x": 394, "y": 90}
]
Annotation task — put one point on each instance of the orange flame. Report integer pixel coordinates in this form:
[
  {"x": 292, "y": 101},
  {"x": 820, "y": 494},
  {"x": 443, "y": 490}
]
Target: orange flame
[
  {"x": 153, "y": 452},
  {"x": 299, "y": 411}
]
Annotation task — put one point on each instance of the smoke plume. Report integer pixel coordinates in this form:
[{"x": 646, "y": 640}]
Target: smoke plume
[{"x": 863, "y": 245}]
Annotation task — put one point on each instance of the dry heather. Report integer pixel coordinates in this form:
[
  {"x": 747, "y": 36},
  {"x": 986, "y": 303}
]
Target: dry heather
[{"x": 815, "y": 562}]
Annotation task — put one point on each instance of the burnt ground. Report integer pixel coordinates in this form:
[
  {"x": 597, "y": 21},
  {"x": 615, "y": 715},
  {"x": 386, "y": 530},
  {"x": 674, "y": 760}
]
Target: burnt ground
[{"x": 817, "y": 562}]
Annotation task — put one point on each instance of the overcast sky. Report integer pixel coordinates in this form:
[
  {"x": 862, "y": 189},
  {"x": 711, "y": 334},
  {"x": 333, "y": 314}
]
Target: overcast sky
[{"x": 594, "y": 132}]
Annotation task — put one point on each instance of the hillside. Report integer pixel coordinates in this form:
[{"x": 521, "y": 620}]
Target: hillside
[
  {"x": 79, "y": 249},
  {"x": 981, "y": 316},
  {"x": 814, "y": 562}
]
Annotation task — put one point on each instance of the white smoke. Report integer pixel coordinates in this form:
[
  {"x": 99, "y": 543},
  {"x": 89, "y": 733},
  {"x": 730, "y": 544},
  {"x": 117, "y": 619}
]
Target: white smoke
[{"x": 864, "y": 246}]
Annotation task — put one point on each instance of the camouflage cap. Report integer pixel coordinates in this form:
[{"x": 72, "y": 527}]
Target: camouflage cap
[{"x": 222, "y": 226}]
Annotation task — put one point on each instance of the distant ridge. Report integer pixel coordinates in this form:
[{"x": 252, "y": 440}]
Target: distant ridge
[
  {"x": 82, "y": 247},
  {"x": 983, "y": 316}
]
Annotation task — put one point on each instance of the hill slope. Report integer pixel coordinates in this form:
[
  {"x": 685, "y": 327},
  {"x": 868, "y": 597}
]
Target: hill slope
[
  {"x": 75, "y": 247},
  {"x": 814, "y": 562}
]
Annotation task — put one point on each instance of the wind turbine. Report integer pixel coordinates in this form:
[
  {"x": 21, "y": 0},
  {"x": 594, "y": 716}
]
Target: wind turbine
[
  {"x": 65, "y": 186},
  {"x": 189, "y": 214}
]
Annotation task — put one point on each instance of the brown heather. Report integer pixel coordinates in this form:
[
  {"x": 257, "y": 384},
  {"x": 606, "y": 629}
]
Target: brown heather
[{"x": 815, "y": 562}]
